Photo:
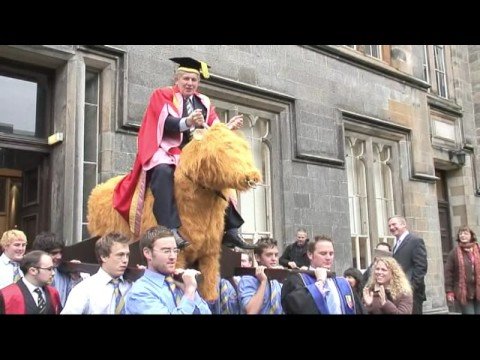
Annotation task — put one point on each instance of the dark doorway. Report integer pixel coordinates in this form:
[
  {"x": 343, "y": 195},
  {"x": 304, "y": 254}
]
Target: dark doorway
[
  {"x": 24, "y": 191},
  {"x": 444, "y": 214}
]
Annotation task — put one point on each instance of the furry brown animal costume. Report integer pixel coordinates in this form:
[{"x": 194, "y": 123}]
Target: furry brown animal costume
[{"x": 215, "y": 161}]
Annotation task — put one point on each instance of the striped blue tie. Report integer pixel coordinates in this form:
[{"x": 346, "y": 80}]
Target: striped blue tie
[
  {"x": 119, "y": 299},
  {"x": 16, "y": 271},
  {"x": 275, "y": 306},
  {"x": 189, "y": 106},
  {"x": 177, "y": 297},
  {"x": 224, "y": 309}
]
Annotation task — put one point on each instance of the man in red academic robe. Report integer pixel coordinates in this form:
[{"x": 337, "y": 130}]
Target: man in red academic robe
[
  {"x": 171, "y": 115},
  {"x": 32, "y": 294}
]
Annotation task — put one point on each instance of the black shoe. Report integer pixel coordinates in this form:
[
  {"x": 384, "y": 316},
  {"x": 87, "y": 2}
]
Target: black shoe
[
  {"x": 234, "y": 239},
  {"x": 181, "y": 242}
]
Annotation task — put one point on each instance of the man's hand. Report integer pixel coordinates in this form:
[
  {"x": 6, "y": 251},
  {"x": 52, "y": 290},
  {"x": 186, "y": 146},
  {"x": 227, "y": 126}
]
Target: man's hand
[
  {"x": 235, "y": 122},
  {"x": 75, "y": 276},
  {"x": 260, "y": 273},
  {"x": 195, "y": 118},
  {"x": 321, "y": 274},
  {"x": 292, "y": 265}
]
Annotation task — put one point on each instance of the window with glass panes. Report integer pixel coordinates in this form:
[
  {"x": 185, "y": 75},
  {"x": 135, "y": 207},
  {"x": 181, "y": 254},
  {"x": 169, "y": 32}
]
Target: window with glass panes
[
  {"x": 91, "y": 141},
  {"x": 435, "y": 69},
  {"x": 372, "y": 171}
]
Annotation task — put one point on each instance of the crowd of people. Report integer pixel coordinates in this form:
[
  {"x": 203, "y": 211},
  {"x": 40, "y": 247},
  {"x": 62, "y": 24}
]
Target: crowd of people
[{"x": 34, "y": 283}]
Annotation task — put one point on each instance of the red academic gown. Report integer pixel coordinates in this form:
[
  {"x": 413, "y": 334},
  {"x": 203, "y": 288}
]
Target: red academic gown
[
  {"x": 16, "y": 300},
  {"x": 163, "y": 102}
]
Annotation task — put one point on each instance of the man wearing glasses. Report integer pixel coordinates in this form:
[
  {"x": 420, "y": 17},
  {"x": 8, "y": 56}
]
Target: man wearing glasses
[
  {"x": 32, "y": 294},
  {"x": 156, "y": 292},
  {"x": 103, "y": 292},
  {"x": 62, "y": 281}
]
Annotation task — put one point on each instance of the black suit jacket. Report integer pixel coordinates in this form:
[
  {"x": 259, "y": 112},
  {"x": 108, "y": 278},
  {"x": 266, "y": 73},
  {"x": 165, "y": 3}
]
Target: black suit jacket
[
  {"x": 296, "y": 299},
  {"x": 172, "y": 124},
  {"x": 412, "y": 256},
  {"x": 30, "y": 302}
]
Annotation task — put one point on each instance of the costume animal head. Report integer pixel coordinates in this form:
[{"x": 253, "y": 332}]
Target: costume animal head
[{"x": 219, "y": 158}]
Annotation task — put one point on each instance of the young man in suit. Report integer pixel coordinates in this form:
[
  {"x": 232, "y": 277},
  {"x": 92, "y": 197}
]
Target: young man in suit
[
  {"x": 316, "y": 293},
  {"x": 32, "y": 294},
  {"x": 411, "y": 254}
]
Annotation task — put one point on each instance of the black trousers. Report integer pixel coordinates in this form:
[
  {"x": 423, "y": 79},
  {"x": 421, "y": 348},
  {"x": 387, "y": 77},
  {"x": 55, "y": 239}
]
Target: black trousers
[
  {"x": 417, "y": 306},
  {"x": 160, "y": 179}
]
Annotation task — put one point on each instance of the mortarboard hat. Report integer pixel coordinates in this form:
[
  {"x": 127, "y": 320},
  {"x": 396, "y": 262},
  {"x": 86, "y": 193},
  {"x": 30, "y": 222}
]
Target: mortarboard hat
[{"x": 191, "y": 65}]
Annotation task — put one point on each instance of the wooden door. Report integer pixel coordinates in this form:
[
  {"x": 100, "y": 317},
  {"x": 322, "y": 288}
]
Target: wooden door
[
  {"x": 35, "y": 199},
  {"x": 444, "y": 214},
  {"x": 10, "y": 201}
]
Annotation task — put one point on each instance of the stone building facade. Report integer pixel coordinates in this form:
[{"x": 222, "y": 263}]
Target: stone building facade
[{"x": 345, "y": 135}]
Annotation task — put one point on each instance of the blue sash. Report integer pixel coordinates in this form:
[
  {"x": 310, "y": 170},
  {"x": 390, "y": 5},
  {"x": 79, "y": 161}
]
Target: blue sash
[
  {"x": 309, "y": 282},
  {"x": 346, "y": 295}
]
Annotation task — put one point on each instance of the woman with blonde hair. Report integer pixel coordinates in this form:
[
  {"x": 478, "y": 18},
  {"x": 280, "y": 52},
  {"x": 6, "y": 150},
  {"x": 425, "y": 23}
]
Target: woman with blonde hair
[
  {"x": 462, "y": 272},
  {"x": 388, "y": 290}
]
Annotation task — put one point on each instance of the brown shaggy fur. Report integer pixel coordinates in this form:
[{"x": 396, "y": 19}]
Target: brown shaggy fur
[{"x": 219, "y": 161}]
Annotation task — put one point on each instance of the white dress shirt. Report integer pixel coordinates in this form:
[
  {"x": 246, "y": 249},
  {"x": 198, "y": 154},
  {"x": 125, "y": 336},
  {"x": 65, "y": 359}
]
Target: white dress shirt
[
  {"x": 94, "y": 295},
  {"x": 6, "y": 271},
  {"x": 399, "y": 241},
  {"x": 32, "y": 289}
]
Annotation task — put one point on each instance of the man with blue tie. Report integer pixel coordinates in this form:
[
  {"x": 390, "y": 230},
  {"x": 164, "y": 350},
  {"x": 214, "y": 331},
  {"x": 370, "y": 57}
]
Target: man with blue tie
[
  {"x": 13, "y": 243},
  {"x": 318, "y": 294},
  {"x": 156, "y": 292},
  {"x": 171, "y": 115},
  {"x": 257, "y": 294},
  {"x": 103, "y": 292},
  {"x": 411, "y": 254}
]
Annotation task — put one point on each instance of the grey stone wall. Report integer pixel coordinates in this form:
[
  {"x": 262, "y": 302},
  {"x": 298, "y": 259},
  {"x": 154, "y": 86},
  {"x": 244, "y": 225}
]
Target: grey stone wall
[{"x": 315, "y": 195}]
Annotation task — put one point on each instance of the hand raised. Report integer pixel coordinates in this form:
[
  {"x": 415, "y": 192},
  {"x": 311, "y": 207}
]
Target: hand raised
[
  {"x": 235, "y": 122},
  {"x": 367, "y": 296}
]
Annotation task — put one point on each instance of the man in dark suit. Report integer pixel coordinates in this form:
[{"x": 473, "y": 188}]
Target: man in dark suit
[
  {"x": 317, "y": 293},
  {"x": 32, "y": 294},
  {"x": 411, "y": 254}
]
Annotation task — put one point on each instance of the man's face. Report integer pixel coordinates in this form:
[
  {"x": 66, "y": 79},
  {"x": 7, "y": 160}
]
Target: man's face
[
  {"x": 44, "y": 271},
  {"x": 269, "y": 257},
  {"x": 301, "y": 238},
  {"x": 397, "y": 227},
  {"x": 322, "y": 255},
  {"x": 15, "y": 250},
  {"x": 56, "y": 255},
  {"x": 116, "y": 263},
  {"x": 162, "y": 257},
  {"x": 187, "y": 83},
  {"x": 245, "y": 261}
]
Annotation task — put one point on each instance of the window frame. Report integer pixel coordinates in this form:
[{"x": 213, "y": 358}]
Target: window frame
[
  {"x": 389, "y": 139},
  {"x": 383, "y": 52},
  {"x": 433, "y": 72},
  {"x": 44, "y": 79}
]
